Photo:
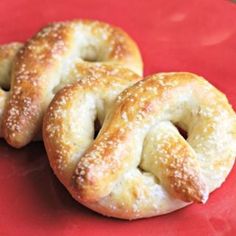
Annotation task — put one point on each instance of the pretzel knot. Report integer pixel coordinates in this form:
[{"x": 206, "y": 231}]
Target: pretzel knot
[
  {"x": 139, "y": 165},
  {"x": 47, "y": 63}
]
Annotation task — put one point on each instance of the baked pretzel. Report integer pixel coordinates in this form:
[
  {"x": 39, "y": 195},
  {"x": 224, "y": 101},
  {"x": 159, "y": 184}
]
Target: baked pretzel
[
  {"x": 45, "y": 63},
  {"x": 139, "y": 165}
]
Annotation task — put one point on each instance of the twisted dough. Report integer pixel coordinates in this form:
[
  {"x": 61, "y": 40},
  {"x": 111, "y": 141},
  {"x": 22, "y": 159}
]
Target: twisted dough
[
  {"x": 45, "y": 64},
  {"x": 139, "y": 165}
]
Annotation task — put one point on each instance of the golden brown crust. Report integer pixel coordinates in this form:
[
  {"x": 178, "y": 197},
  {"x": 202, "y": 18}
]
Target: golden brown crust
[
  {"x": 8, "y": 51},
  {"x": 46, "y": 60},
  {"x": 7, "y": 55},
  {"x": 139, "y": 165}
]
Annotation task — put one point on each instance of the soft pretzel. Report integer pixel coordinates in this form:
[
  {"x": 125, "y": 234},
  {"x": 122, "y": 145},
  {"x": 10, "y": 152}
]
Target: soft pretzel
[
  {"x": 139, "y": 165},
  {"x": 45, "y": 63}
]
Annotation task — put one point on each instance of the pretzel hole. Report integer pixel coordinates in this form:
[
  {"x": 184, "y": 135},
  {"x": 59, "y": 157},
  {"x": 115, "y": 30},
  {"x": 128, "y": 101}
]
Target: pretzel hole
[
  {"x": 97, "y": 127},
  {"x": 5, "y": 88},
  {"x": 183, "y": 132},
  {"x": 148, "y": 174},
  {"x": 90, "y": 54}
]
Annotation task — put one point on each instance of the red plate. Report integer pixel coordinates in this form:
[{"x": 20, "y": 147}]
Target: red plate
[{"x": 197, "y": 36}]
